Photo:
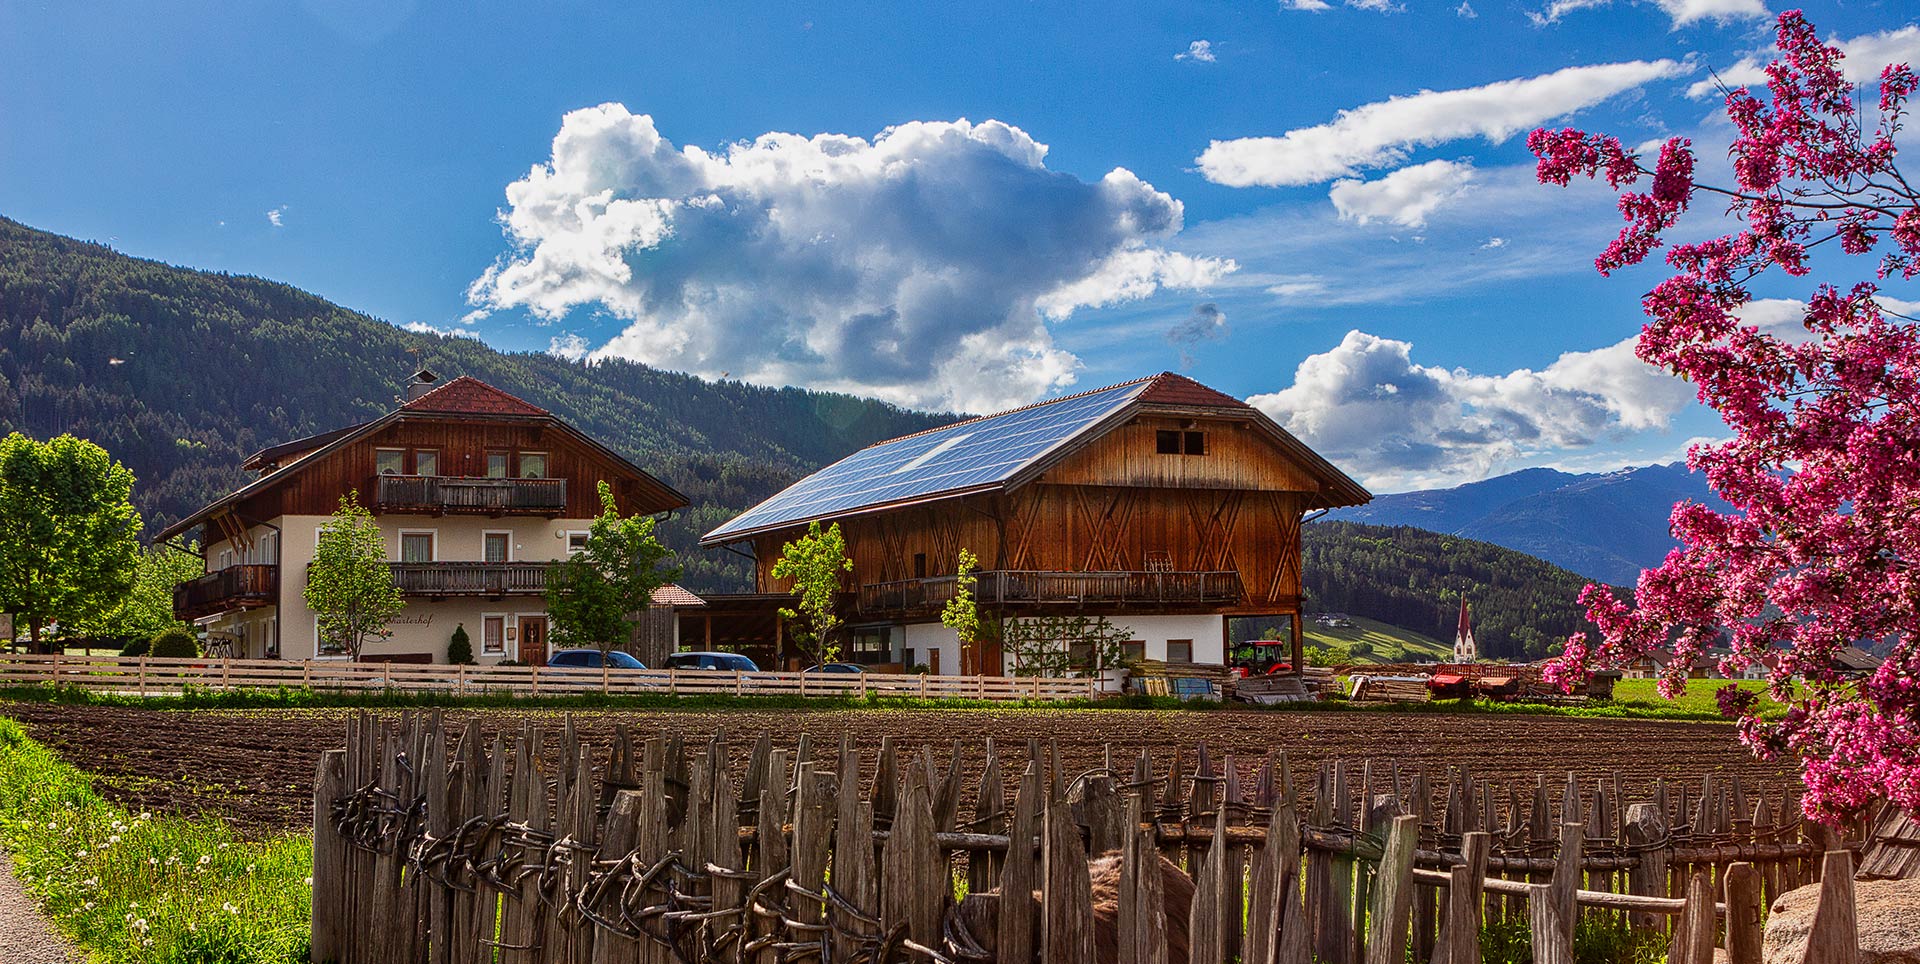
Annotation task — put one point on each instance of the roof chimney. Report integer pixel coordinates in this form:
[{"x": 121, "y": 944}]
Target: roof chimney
[{"x": 422, "y": 382}]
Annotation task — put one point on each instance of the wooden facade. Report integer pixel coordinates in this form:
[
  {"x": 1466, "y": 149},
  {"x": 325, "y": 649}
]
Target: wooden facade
[
  {"x": 461, "y": 446},
  {"x": 1114, "y": 504}
]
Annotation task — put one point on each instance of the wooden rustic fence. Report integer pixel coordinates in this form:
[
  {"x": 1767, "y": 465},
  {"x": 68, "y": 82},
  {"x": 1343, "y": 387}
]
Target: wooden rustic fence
[
  {"x": 460, "y": 847},
  {"x": 153, "y": 676}
]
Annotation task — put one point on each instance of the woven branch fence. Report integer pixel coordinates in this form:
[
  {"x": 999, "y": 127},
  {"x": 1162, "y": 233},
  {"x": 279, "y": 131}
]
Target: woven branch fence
[{"x": 452, "y": 847}]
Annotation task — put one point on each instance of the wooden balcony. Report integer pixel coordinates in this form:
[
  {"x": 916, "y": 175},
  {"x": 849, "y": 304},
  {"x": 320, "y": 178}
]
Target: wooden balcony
[
  {"x": 235, "y": 587},
  {"x": 997, "y": 588},
  {"x": 471, "y": 578},
  {"x": 439, "y": 495}
]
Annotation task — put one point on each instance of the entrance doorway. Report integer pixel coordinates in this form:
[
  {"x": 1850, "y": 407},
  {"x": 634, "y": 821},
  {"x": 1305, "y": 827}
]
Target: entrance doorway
[{"x": 533, "y": 640}]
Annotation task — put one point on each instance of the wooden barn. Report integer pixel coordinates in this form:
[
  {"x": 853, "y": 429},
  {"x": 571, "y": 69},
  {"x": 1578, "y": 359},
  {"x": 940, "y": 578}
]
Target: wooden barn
[{"x": 1159, "y": 503}]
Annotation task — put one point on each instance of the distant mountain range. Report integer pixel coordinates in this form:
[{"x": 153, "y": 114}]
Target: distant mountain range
[{"x": 1605, "y": 526}]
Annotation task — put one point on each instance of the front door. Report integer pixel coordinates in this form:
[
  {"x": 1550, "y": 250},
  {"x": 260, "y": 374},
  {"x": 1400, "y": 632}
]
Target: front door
[{"x": 533, "y": 640}]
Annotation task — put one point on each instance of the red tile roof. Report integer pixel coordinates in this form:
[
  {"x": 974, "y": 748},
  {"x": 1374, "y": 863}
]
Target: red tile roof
[
  {"x": 1170, "y": 389},
  {"x": 468, "y": 395},
  {"x": 672, "y": 594}
]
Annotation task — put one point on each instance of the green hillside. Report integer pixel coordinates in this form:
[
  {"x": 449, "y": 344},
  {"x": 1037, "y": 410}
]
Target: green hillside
[
  {"x": 1372, "y": 641},
  {"x": 181, "y": 374}
]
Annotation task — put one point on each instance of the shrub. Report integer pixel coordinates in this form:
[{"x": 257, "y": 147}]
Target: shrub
[
  {"x": 136, "y": 648},
  {"x": 175, "y": 643},
  {"x": 460, "y": 648}
]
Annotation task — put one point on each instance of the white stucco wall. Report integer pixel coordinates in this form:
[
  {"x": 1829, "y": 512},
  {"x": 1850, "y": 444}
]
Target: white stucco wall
[
  {"x": 925, "y": 639},
  {"x": 424, "y": 626}
]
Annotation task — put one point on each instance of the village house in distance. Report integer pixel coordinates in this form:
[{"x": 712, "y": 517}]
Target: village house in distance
[
  {"x": 1160, "y": 503},
  {"x": 477, "y": 492}
]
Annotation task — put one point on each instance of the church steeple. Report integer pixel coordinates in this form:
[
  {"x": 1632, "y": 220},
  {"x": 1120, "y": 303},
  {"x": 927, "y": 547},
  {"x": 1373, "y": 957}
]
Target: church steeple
[{"x": 1464, "y": 648}]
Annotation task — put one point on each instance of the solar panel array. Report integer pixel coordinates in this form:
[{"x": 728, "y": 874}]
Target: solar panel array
[{"x": 964, "y": 455}]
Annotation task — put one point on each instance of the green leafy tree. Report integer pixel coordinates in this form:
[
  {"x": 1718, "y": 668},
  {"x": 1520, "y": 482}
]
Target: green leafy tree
[
  {"x": 68, "y": 533},
  {"x": 961, "y": 615},
  {"x": 348, "y": 584},
  {"x": 814, "y": 562},
  {"x": 460, "y": 647},
  {"x": 1062, "y": 645},
  {"x": 148, "y": 607},
  {"x": 595, "y": 597}
]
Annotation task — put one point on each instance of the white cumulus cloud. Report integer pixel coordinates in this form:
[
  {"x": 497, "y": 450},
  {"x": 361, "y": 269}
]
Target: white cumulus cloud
[
  {"x": 453, "y": 331},
  {"x": 1404, "y": 197},
  {"x": 1866, "y": 56},
  {"x": 1369, "y": 407},
  {"x": 1681, "y": 12},
  {"x": 277, "y": 216},
  {"x": 921, "y": 266},
  {"x": 1199, "y": 50},
  {"x": 1309, "y": 5},
  {"x": 1381, "y": 134},
  {"x": 570, "y": 346}
]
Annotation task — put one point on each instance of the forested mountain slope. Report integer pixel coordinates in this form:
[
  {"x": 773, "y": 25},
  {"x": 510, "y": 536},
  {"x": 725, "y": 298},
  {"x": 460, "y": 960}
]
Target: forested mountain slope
[
  {"x": 181, "y": 374},
  {"x": 1413, "y": 578}
]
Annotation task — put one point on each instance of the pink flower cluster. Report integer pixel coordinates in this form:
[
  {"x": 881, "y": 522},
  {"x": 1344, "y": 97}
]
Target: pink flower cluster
[{"x": 1821, "y": 550}]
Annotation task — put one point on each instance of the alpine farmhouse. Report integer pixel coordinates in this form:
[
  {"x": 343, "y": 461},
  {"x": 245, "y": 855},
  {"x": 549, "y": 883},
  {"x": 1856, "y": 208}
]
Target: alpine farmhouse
[
  {"x": 1160, "y": 503},
  {"x": 477, "y": 492}
]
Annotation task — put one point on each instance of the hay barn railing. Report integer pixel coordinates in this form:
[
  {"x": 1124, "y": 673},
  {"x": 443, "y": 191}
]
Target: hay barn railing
[
  {"x": 452, "y": 845},
  {"x": 999, "y": 587},
  {"x": 155, "y": 676}
]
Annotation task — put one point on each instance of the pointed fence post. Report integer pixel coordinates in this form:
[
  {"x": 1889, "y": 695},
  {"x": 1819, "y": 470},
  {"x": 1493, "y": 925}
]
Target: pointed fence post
[
  {"x": 1744, "y": 908},
  {"x": 1834, "y": 937},
  {"x": 1392, "y": 906},
  {"x": 1550, "y": 944}
]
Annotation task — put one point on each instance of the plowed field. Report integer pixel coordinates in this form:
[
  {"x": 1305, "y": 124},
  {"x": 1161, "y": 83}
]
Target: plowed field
[{"x": 255, "y": 768}]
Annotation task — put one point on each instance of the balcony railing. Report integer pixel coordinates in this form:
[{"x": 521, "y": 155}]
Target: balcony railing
[
  {"x": 470, "y": 578},
  {"x": 1000, "y": 587},
  {"x": 235, "y": 587},
  {"x": 488, "y": 496}
]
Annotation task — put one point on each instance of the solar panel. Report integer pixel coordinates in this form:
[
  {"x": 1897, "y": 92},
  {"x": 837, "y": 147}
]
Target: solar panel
[{"x": 964, "y": 455}]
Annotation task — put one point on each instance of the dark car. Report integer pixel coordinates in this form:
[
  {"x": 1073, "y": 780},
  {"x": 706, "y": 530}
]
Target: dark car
[
  {"x": 590, "y": 659},
  {"x": 835, "y": 668},
  {"x": 732, "y": 662}
]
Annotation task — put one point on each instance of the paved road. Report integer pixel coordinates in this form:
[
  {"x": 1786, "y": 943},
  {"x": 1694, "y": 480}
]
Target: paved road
[{"x": 25, "y": 936}]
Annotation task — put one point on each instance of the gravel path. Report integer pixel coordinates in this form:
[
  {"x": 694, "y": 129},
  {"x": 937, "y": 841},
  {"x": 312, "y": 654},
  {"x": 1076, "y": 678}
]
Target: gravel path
[{"x": 25, "y": 936}]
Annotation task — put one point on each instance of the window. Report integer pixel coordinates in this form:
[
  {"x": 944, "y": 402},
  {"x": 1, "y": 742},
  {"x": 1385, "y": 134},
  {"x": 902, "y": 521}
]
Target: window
[
  {"x": 577, "y": 541},
  {"x": 907, "y": 657},
  {"x": 389, "y": 461},
  {"x": 1179, "y": 650},
  {"x": 493, "y": 635},
  {"x": 416, "y": 547},
  {"x": 1169, "y": 442},
  {"x": 324, "y": 645},
  {"x": 496, "y": 465},
  {"x": 919, "y": 565},
  {"x": 497, "y": 546},
  {"x": 1166, "y": 442},
  {"x": 426, "y": 461},
  {"x": 1133, "y": 650},
  {"x": 871, "y": 644},
  {"x": 1196, "y": 443},
  {"x": 533, "y": 465}
]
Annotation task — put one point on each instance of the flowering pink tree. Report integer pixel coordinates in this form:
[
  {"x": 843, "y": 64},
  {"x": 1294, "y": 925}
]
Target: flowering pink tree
[{"x": 1822, "y": 547}]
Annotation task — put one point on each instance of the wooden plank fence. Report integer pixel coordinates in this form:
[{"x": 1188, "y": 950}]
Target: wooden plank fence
[
  {"x": 452, "y": 847},
  {"x": 153, "y": 676}
]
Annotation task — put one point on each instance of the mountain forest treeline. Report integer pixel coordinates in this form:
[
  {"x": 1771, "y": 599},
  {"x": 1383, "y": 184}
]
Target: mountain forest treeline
[
  {"x": 1523, "y": 607},
  {"x": 181, "y": 374}
]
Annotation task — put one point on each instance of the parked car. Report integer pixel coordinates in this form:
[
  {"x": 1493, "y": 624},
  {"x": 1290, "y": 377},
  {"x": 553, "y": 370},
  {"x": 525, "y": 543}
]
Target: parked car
[
  {"x": 590, "y": 659},
  {"x": 732, "y": 662},
  {"x": 835, "y": 668}
]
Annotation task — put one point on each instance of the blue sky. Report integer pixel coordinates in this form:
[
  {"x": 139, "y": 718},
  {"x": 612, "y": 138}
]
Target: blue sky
[{"x": 786, "y": 193}]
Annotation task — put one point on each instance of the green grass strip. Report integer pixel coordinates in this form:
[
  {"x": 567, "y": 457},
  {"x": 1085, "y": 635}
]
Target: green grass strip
[{"x": 146, "y": 887}]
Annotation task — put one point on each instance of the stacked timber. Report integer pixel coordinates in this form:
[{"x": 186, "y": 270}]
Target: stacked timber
[{"x": 1390, "y": 689}]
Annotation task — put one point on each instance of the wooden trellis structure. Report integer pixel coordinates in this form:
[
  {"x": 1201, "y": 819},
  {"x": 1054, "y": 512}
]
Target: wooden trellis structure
[{"x": 452, "y": 848}]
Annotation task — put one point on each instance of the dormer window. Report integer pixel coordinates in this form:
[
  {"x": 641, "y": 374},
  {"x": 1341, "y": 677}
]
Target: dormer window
[{"x": 1171, "y": 442}]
